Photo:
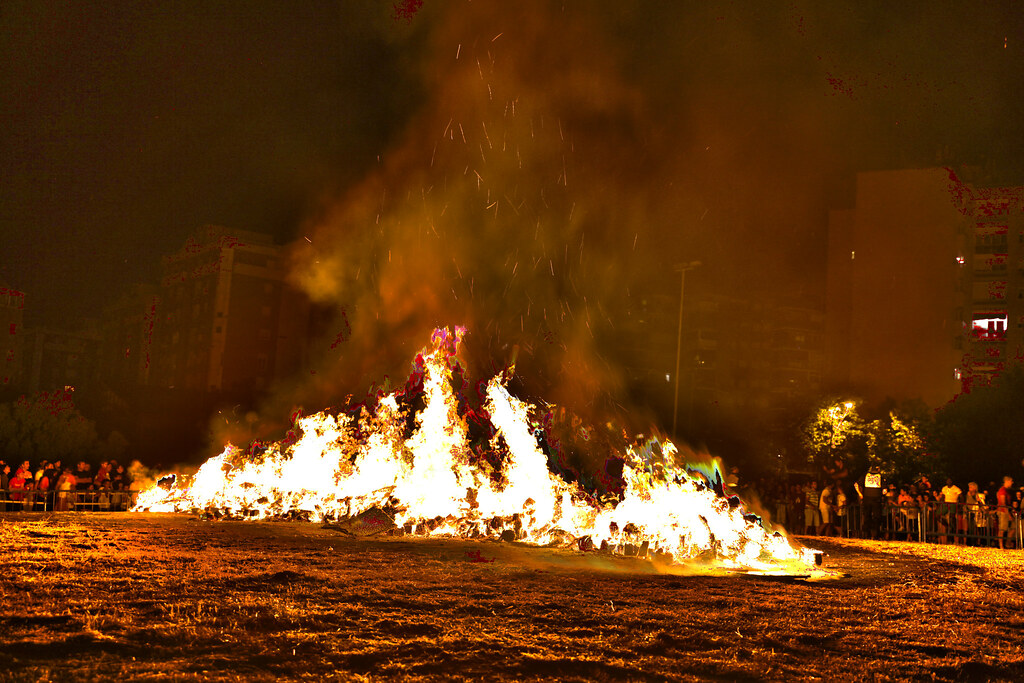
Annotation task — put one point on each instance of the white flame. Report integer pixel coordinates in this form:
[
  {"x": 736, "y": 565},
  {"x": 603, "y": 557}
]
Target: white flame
[{"x": 433, "y": 478}]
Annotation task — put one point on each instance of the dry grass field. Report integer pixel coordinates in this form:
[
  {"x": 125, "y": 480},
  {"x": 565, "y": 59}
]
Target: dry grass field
[{"x": 173, "y": 597}]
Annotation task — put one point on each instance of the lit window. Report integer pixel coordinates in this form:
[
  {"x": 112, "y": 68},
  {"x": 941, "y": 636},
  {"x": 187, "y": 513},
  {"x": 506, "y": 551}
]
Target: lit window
[{"x": 989, "y": 325}]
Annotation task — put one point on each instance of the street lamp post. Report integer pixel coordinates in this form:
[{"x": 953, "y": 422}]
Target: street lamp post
[
  {"x": 838, "y": 415},
  {"x": 680, "y": 268}
]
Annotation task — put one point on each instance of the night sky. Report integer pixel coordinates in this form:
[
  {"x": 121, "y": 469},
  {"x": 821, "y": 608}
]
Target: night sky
[{"x": 647, "y": 133}]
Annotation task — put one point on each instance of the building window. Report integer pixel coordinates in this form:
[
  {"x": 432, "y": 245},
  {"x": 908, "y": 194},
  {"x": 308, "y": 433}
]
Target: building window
[{"x": 991, "y": 326}]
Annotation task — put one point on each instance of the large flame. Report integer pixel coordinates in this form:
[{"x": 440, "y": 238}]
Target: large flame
[{"x": 433, "y": 482}]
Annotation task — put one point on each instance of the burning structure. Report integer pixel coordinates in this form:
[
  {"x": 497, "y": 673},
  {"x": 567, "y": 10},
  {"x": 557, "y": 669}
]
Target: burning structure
[{"x": 441, "y": 471}]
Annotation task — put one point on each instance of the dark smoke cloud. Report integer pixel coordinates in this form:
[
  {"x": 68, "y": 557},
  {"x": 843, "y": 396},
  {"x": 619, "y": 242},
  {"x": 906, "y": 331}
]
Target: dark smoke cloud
[
  {"x": 512, "y": 206},
  {"x": 565, "y": 156}
]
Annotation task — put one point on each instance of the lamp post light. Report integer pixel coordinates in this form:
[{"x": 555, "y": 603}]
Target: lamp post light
[
  {"x": 838, "y": 415},
  {"x": 680, "y": 268}
]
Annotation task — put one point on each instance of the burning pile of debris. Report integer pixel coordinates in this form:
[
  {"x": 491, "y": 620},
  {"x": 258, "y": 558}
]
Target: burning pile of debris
[{"x": 401, "y": 471}]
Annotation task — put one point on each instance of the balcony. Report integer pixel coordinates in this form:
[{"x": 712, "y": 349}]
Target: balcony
[
  {"x": 989, "y": 326},
  {"x": 988, "y": 335}
]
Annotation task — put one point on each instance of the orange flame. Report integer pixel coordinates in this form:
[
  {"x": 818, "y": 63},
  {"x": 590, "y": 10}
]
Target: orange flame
[{"x": 433, "y": 481}]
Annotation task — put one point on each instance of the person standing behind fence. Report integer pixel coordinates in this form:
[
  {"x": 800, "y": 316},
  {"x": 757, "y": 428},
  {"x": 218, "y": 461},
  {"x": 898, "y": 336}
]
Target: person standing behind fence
[
  {"x": 30, "y": 495},
  {"x": 25, "y": 470},
  {"x": 871, "y": 500},
  {"x": 1003, "y": 510},
  {"x": 908, "y": 512},
  {"x": 43, "y": 491},
  {"x": 65, "y": 486},
  {"x": 16, "y": 485},
  {"x": 812, "y": 516},
  {"x": 51, "y": 474},
  {"x": 842, "y": 529},
  {"x": 894, "y": 521},
  {"x": 950, "y": 497},
  {"x": 972, "y": 505},
  {"x": 825, "y": 510},
  {"x": 103, "y": 497}
]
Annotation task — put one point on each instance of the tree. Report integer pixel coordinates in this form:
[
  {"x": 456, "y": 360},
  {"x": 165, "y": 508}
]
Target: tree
[
  {"x": 48, "y": 426},
  {"x": 901, "y": 443},
  {"x": 981, "y": 434},
  {"x": 834, "y": 430}
]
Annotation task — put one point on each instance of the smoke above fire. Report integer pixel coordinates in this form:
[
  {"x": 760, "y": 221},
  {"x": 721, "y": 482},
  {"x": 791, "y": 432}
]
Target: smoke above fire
[
  {"x": 544, "y": 184},
  {"x": 434, "y": 461},
  {"x": 500, "y": 207}
]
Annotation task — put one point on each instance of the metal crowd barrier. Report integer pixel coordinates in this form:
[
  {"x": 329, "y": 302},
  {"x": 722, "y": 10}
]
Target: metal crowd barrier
[
  {"x": 936, "y": 522},
  {"x": 22, "y": 500}
]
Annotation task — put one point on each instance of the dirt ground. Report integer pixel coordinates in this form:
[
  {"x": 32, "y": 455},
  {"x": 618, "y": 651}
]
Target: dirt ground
[{"x": 172, "y": 597}]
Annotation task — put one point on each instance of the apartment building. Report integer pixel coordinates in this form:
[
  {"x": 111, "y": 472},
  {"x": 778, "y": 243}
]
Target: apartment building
[{"x": 227, "y": 320}]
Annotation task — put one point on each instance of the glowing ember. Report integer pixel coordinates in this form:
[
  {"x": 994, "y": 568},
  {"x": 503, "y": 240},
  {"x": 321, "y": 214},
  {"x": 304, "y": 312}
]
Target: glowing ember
[{"x": 434, "y": 483}]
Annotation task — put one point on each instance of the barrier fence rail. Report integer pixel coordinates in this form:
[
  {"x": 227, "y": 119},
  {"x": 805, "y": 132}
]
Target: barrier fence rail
[
  {"x": 31, "y": 500},
  {"x": 936, "y": 522}
]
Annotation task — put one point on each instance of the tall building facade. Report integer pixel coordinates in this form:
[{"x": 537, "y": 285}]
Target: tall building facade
[
  {"x": 128, "y": 327},
  {"x": 227, "y": 321},
  {"x": 925, "y": 294},
  {"x": 753, "y": 355},
  {"x": 992, "y": 283},
  {"x": 737, "y": 355}
]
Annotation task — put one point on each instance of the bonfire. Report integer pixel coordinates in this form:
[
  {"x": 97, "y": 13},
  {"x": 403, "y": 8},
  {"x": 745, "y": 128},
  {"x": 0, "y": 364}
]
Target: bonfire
[{"x": 434, "y": 479}]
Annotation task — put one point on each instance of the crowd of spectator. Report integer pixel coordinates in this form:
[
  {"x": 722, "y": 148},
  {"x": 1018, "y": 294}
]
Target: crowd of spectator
[
  {"x": 832, "y": 503},
  {"x": 835, "y": 503},
  {"x": 59, "y": 487}
]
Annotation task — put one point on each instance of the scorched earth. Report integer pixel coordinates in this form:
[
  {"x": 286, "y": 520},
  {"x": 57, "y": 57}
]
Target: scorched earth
[{"x": 176, "y": 597}]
